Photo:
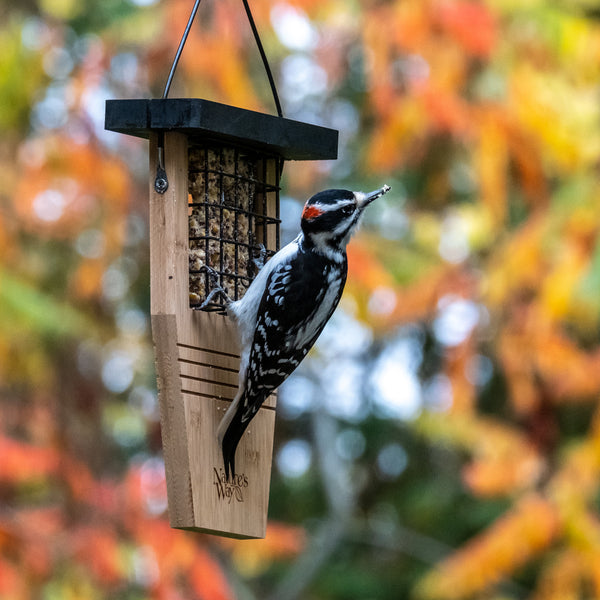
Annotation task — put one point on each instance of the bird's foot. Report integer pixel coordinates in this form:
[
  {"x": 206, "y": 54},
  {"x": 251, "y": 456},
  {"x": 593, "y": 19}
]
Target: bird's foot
[
  {"x": 216, "y": 291},
  {"x": 261, "y": 259}
]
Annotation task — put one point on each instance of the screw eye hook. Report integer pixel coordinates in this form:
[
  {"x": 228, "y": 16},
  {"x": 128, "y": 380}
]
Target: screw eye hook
[{"x": 161, "y": 183}]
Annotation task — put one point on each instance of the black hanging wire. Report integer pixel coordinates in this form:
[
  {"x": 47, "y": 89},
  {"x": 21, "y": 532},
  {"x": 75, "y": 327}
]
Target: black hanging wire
[
  {"x": 184, "y": 38},
  {"x": 265, "y": 61},
  {"x": 264, "y": 58},
  {"x": 161, "y": 182},
  {"x": 257, "y": 39}
]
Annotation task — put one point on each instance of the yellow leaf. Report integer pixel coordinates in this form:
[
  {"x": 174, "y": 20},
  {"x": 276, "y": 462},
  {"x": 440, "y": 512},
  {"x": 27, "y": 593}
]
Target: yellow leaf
[
  {"x": 509, "y": 543},
  {"x": 492, "y": 164}
]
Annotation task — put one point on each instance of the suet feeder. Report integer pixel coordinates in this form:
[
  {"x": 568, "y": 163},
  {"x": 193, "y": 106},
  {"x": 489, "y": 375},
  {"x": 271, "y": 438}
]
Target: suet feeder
[{"x": 214, "y": 202}]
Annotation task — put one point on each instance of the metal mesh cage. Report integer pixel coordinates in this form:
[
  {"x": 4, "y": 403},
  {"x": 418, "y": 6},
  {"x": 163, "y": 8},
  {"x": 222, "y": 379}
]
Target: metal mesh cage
[{"x": 233, "y": 219}]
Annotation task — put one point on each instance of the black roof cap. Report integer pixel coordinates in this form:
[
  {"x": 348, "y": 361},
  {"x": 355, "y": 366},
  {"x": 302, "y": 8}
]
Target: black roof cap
[{"x": 207, "y": 120}]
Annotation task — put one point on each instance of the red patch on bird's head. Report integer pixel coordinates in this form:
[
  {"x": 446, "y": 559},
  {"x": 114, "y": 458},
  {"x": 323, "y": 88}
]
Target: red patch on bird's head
[{"x": 311, "y": 212}]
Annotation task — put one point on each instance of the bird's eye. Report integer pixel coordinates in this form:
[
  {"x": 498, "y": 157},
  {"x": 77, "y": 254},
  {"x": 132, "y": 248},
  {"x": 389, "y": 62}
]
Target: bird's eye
[{"x": 348, "y": 209}]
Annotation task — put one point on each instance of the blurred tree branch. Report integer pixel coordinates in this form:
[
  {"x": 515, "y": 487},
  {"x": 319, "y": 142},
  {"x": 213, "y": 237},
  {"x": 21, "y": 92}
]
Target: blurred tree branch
[{"x": 341, "y": 500}]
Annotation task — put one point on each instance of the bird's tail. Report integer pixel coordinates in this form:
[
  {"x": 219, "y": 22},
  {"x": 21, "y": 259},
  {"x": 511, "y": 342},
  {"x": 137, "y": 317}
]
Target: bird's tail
[{"x": 230, "y": 433}]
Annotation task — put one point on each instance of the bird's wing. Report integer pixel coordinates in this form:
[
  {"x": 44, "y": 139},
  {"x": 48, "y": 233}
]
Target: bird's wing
[{"x": 292, "y": 297}]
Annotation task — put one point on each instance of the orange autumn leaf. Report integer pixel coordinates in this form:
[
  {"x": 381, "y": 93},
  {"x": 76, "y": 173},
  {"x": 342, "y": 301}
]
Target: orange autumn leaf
[
  {"x": 98, "y": 549},
  {"x": 27, "y": 539},
  {"x": 562, "y": 578},
  {"x": 492, "y": 164},
  {"x": 419, "y": 301},
  {"x": 538, "y": 357},
  {"x": 207, "y": 578},
  {"x": 37, "y": 561},
  {"x": 593, "y": 574},
  {"x": 86, "y": 281},
  {"x": 45, "y": 522},
  {"x": 174, "y": 550},
  {"x": 504, "y": 460},
  {"x": 518, "y": 265},
  {"x": 471, "y": 24},
  {"x": 78, "y": 477},
  {"x": 503, "y": 475},
  {"x": 382, "y": 89},
  {"x": 561, "y": 282},
  {"x": 409, "y": 24},
  {"x": 365, "y": 269},
  {"x": 528, "y": 164},
  {"x": 456, "y": 368},
  {"x": 64, "y": 190},
  {"x": 571, "y": 372},
  {"x": 395, "y": 133},
  {"x": 22, "y": 462},
  {"x": 509, "y": 543},
  {"x": 12, "y": 584},
  {"x": 282, "y": 541},
  {"x": 576, "y": 482},
  {"x": 446, "y": 110}
]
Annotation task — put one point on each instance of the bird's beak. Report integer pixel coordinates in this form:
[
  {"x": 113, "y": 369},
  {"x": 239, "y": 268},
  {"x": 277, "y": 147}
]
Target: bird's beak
[{"x": 363, "y": 199}]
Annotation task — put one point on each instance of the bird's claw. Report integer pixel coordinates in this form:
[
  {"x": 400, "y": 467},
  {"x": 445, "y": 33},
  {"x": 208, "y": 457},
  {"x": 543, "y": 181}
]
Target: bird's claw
[
  {"x": 261, "y": 259},
  {"x": 217, "y": 289}
]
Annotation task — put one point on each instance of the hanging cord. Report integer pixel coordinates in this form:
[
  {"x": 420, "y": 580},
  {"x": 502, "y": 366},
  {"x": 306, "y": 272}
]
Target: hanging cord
[
  {"x": 263, "y": 55},
  {"x": 161, "y": 182},
  {"x": 264, "y": 59},
  {"x": 184, "y": 38}
]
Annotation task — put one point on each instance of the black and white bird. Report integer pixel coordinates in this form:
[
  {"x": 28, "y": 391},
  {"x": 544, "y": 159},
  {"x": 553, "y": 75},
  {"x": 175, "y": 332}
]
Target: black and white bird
[{"x": 288, "y": 304}]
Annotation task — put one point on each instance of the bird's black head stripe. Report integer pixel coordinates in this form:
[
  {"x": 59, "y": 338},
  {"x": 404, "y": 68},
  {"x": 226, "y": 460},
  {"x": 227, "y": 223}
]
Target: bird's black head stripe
[{"x": 330, "y": 197}]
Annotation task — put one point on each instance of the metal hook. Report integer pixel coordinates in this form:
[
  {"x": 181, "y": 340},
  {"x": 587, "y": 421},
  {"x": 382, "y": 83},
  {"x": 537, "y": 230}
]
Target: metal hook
[{"x": 161, "y": 183}]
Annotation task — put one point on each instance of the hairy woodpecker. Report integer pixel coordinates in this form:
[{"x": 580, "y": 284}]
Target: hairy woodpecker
[{"x": 287, "y": 305}]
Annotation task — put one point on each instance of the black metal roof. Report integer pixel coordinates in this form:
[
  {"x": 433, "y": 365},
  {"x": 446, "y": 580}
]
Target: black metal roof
[{"x": 204, "y": 119}]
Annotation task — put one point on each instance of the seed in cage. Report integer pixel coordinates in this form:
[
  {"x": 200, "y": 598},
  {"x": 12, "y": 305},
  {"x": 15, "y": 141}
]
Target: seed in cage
[
  {"x": 246, "y": 192},
  {"x": 196, "y": 225},
  {"x": 213, "y": 254},
  {"x": 196, "y": 185},
  {"x": 242, "y": 227},
  {"x": 229, "y": 259},
  {"x": 227, "y": 159},
  {"x": 203, "y": 158},
  {"x": 195, "y": 298},
  {"x": 196, "y": 259},
  {"x": 222, "y": 188},
  {"x": 228, "y": 224},
  {"x": 228, "y": 197},
  {"x": 206, "y": 187},
  {"x": 197, "y": 288}
]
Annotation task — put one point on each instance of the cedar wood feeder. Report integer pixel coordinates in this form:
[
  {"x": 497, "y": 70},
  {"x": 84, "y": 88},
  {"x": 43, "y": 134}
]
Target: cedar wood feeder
[{"x": 214, "y": 201}]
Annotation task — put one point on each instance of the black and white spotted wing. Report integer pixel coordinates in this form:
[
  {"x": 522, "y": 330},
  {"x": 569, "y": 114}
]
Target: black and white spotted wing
[{"x": 292, "y": 313}]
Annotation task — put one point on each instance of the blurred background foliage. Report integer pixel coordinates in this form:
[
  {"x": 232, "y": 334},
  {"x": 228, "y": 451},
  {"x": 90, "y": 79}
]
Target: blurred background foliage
[{"x": 442, "y": 441}]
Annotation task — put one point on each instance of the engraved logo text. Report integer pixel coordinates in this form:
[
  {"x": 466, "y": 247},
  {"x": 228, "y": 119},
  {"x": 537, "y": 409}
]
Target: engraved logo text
[{"x": 229, "y": 489}]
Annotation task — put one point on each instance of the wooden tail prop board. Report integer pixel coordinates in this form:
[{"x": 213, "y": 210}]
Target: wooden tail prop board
[{"x": 197, "y": 361}]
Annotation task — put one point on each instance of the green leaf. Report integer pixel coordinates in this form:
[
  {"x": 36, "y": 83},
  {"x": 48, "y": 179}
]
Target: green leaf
[{"x": 26, "y": 308}]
